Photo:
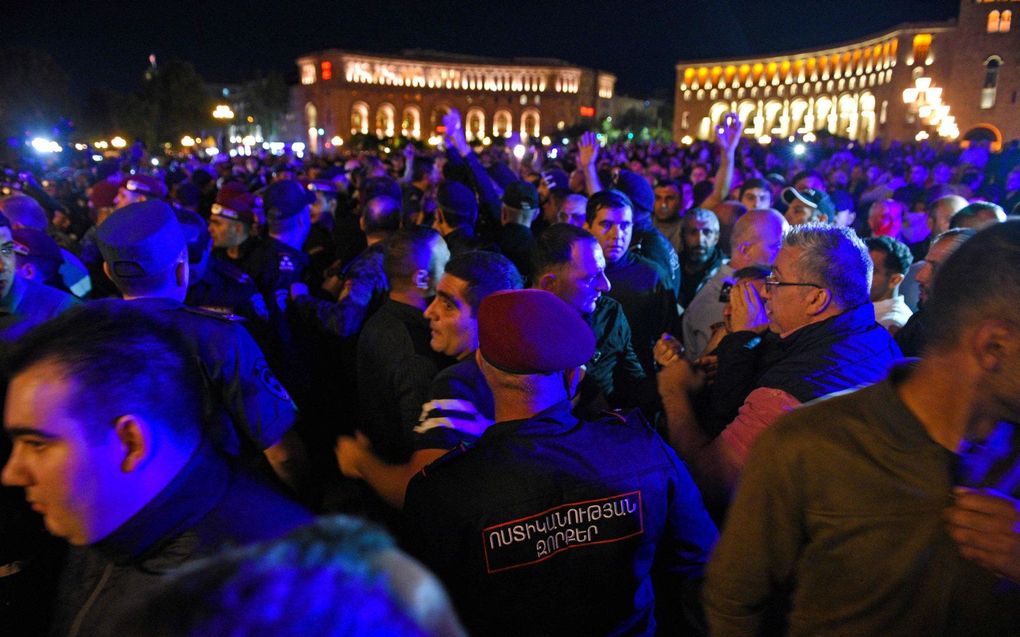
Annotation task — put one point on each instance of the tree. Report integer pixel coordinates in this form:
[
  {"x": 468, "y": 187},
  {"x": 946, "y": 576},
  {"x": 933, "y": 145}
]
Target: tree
[{"x": 268, "y": 100}]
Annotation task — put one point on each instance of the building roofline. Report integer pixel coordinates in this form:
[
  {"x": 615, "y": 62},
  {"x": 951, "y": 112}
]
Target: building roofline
[
  {"x": 442, "y": 57},
  {"x": 904, "y": 27}
]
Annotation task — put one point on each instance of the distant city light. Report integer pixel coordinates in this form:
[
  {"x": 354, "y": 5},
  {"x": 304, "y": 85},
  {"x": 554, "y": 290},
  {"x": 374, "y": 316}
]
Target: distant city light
[
  {"x": 155, "y": 162},
  {"x": 187, "y": 141},
  {"x": 554, "y": 153},
  {"x": 546, "y": 140},
  {"x": 809, "y": 137},
  {"x": 565, "y": 141},
  {"x": 118, "y": 142},
  {"x": 686, "y": 140},
  {"x": 298, "y": 147},
  {"x": 519, "y": 151},
  {"x": 799, "y": 149},
  {"x": 249, "y": 140},
  {"x": 101, "y": 144},
  {"x": 43, "y": 145},
  {"x": 212, "y": 151},
  {"x": 97, "y": 158},
  {"x": 337, "y": 140},
  {"x": 765, "y": 139},
  {"x": 81, "y": 146}
]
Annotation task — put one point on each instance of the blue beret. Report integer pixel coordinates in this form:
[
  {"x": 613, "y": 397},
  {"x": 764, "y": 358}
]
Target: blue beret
[
  {"x": 532, "y": 332},
  {"x": 141, "y": 239}
]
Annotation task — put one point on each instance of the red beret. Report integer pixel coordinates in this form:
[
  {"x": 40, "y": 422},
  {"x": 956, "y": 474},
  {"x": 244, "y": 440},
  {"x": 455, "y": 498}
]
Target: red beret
[
  {"x": 103, "y": 193},
  {"x": 532, "y": 332},
  {"x": 233, "y": 201},
  {"x": 145, "y": 184}
]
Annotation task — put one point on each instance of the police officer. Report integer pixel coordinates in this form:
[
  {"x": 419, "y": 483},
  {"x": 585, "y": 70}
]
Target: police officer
[
  {"x": 231, "y": 224},
  {"x": 24, "y": 303},
  {"x": 146, "y": 257},
  {"x": 215, "y": 284},
  {"x": 549, "y": 525}
]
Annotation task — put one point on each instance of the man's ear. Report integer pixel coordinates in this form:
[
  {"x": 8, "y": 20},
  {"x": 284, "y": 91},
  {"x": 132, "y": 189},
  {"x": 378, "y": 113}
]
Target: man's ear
[
  {"x": 821, "y": 300},
  {"x": 992, "y": 342},
  {"x": 135, "y": 437},
  {"x": 572, "y": 380},
  {"x": 27, "y": 271},
  {"x": 896, "y": 279},
  {"x": 106, "y": 270},
  {"x": 546, "y": 281}
]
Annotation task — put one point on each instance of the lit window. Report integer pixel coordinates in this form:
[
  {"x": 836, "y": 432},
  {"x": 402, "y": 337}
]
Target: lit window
[
  {"x": 993, "y": 22},
  {"x": 308, "y": 74},
  {"x": 1004, "y": 21},
  {"x": 991, "y": 82},
  {"x": 327, "y": 71}
]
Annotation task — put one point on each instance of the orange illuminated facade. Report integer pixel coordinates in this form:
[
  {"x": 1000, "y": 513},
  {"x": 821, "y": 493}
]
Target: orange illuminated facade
[
  {"x": 944, "y": 80},
  {"x": 343, "y": 94}
]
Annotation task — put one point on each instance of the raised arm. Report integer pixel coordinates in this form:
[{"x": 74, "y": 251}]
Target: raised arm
[{"x": 727, "y": 136}]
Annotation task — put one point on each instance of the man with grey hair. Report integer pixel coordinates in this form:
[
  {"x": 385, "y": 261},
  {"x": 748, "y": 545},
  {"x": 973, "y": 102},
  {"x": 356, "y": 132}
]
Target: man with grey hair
[
  {"x": 817, "y": 302},
  {"x": 893, "y": 510}
]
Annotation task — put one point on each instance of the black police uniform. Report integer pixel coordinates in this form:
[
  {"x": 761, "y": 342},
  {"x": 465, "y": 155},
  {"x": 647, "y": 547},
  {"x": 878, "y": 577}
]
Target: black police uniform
[
  {"x": 238, "y": 379},
  {"x": 226, "y": 289},
  {"x": 642, "y": 289},
  {"x": 28, "y": 304},
  {"x": 553, "y": 526}
]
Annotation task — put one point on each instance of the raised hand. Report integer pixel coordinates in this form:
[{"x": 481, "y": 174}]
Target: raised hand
[
  {"x": 588, "y": 149},
  {"x": 728, "y": 132}
]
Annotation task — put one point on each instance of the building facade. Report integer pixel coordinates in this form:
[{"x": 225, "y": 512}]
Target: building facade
[
  {"x": 343, "y": 94},
  {"x": 950, "y": 80}
]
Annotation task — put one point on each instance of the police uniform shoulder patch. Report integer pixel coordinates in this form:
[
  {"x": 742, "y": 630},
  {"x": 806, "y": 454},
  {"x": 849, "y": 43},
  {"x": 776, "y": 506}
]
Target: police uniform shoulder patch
[
  {"x": 268, "y": 378},
  {"x": 223, "y": 314},
  {"x": 447, "y": 457}
]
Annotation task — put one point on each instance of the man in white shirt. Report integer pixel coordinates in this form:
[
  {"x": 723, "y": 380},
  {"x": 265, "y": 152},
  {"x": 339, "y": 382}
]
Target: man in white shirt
[{"x": 892, "y": 259}]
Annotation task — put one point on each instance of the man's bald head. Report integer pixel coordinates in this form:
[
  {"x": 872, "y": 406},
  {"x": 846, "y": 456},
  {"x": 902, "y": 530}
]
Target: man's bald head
[
  {"x": 757, "y": 238},
  {"x": 941, "y": 210}
]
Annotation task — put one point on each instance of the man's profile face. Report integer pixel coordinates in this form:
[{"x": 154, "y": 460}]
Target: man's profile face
[
  {"x": 786, "y": 306},
  {"x": 613, "y": 227},
  {"x": 64, "y": 465},
  {"x": 582, "y": 281},
  {"x": 700, "y": 236},
  {"x": 452, "y": 323},
  {"x": 667, "y": 203},
  {"x": 937, "y": 255},
  {"x": 881, "y": 278},
  {"x": 226, "y": 233},
  {"x": 754, "y": 198},
  {"x": 8, "y": 261}
]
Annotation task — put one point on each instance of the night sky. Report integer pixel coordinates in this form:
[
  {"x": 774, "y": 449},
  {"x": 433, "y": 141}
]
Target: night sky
[{"x": 107, "y": 45}]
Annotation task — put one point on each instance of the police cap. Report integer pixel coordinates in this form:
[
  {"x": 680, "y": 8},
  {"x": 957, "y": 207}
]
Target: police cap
[{"x": 141, "y": 239}]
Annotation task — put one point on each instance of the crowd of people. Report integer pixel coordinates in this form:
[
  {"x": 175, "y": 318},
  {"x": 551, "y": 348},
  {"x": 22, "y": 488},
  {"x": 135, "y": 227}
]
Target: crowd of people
[{"x": 625, "y": 388}]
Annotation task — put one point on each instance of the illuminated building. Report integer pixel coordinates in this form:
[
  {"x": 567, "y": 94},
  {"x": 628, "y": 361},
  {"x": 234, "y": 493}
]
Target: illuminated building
[
  {"x": 949, "y": 80},
  {"x": 343, "y": 93}
]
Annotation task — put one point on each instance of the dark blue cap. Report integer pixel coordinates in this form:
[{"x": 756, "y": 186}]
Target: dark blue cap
[
  {"x": 285, "y": 199},
  {"x": 141, "y": 239},
  {"x": 637, "y": 189},
  {"x": 457, "y": 198}
]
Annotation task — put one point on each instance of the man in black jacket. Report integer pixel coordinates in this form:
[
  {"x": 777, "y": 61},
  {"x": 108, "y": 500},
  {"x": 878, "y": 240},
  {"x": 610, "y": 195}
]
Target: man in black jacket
[{"x": 114, "y": 467}]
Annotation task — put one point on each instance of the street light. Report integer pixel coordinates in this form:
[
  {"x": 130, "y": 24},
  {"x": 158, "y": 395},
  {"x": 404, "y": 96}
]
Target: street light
[
  {"x": 222, "y": 111},
  {"x": 187, "y": 141},
  {"x": 118, "y": 142}
]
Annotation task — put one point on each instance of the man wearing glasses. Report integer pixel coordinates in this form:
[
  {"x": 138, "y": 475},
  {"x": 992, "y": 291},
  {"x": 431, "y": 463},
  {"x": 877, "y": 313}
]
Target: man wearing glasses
[{"x": 817, "y": 302}]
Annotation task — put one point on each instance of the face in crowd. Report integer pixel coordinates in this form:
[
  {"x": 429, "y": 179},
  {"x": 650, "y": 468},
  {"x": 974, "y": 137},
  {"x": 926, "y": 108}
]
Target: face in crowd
[
  {"x": 612, "y": 228},
  {"x": 583, "y": 280}
]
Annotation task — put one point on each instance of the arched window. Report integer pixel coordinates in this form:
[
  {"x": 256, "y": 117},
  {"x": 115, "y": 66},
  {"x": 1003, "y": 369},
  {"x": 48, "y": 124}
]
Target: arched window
[
  {"x": 993, "y": 22},
  {"x": 359, "y": 118},
  {"x": 988, "y": 88},
  {"x": 1004, "y": 21},
  {"x": 410, "y": 124},
  {"x": 474, "y": 124},
  {"x": 502, "y": 124},
  {"x": 385, "y": 121},
  {"x": 530, "y": 122}
]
